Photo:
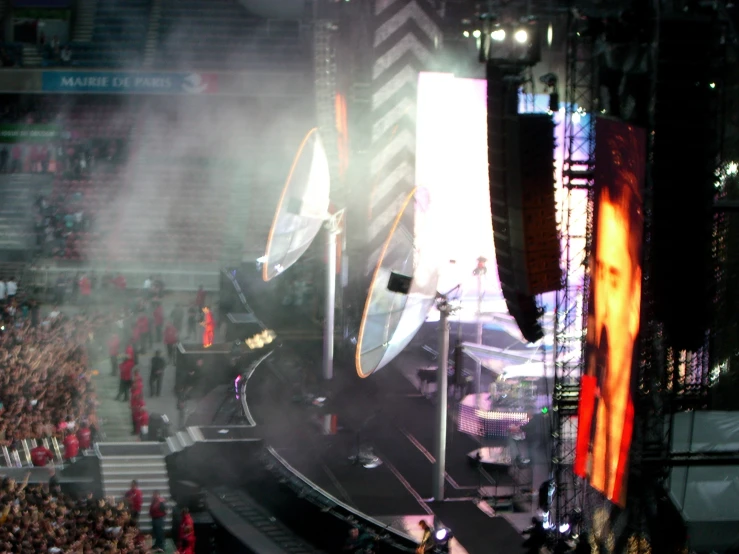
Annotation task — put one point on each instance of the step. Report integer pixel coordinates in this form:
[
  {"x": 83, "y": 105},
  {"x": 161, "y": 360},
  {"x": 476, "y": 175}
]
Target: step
[
  {"x": 127, "y": 462},
  {"x": 138, "y": 475}
]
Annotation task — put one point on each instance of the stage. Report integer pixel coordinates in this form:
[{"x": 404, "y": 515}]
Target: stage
[
  {"x": 318, "y": 426},
  {"x": 389, "y": 415}
]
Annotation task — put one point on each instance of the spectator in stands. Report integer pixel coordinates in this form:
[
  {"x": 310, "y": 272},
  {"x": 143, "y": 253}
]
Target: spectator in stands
[
  {"x": 170, "y": 340},
  {"x": 66, "y": 55},
  {"x": 11, "y": 288},
  {"x": 114, "y": 345},
  {"x": 46, "y": 384},
  {"x": 84, "y": 436},
  {"x": 134, "y": 499},
  {"x": 157, "y": 372},
  {"x": 40, "y": 455},
  {"x": 71, "y": 446},
  {"x": 158, "y": 513},
  {"x": 3, "y": 291}
]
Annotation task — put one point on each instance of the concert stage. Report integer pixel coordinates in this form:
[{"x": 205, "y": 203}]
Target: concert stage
[{"x": 387, "y": 414}]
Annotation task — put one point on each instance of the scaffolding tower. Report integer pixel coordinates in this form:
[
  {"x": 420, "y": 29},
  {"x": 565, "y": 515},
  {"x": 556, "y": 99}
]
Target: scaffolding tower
[{"x": 575, "y": 224}]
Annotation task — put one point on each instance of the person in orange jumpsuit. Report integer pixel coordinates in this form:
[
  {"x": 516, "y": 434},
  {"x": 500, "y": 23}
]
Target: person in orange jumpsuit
[{"x": 210, "y": 328}]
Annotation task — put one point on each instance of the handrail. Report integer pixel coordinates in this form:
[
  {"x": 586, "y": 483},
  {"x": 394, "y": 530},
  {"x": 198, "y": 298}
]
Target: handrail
[
  {"x": 356, "y": 513},
  {"x": 244, "y": 381},
  {"x": 242, "y": 297}
]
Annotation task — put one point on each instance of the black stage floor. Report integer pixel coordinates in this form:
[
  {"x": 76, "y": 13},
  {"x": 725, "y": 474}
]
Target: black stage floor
[
  {"x": 388, "y": 414},
  {"x": 385, "y": 412}
]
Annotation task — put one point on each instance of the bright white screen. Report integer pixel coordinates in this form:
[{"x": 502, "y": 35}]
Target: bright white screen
[{"x": 452, "y": 167}]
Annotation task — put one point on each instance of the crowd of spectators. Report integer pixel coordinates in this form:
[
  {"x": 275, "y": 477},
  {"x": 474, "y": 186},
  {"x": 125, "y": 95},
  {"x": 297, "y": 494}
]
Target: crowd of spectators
[
  {"x": 45, "y": 383},
  {"x": 41, "y": 518}
]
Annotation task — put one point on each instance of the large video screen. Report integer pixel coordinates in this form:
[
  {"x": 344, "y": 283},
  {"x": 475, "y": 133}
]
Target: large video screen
[
  {"x": 452, "y": 175},
  {"x": 606, "y": 412}
]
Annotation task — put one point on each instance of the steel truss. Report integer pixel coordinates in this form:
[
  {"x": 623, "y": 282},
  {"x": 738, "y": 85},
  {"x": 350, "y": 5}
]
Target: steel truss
[
  {"x": 575, "y": 213},
  {"x": 325, "y": 33}
]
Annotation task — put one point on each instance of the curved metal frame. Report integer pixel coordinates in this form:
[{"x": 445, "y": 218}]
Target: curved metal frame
[
  {"x": 375, "y": 274},
  {"x": 285, "y": 188}
]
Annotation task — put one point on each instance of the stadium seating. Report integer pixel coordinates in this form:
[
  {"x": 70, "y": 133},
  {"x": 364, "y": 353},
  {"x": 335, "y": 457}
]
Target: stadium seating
[
  {"x": 119, "y": 35},
  {"x": 12, "y": 54},
  {"x": 222, "y": 35}
]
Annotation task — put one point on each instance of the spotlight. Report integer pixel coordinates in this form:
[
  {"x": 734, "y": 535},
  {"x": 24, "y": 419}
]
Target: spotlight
[
  {"x": 476, "y": 33},
  {"x": 550, "y": 35},
  {"x": 521, "y": 36},
  {"x": 441, "y": 534},
  {"x": 466, "y": 34},
  {"x": 498, "y": 35},
  {"x": 564, "y": 527}
]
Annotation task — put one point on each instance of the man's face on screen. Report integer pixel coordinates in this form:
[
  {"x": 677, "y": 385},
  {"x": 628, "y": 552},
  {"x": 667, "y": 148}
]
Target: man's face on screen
[{"x": 614, "y": 277}]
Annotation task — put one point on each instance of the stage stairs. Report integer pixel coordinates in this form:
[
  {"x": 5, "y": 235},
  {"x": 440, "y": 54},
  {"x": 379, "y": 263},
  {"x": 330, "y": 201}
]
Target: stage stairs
[
  {"x": 239, "y": 513},
  {"x": 122, "y": 462},
  {"x": 18, "y": 192}
]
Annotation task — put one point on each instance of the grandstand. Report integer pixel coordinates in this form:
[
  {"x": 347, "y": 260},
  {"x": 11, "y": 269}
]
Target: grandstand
[
  {"x": 118, "y": 37},
  {"x": 166, "y": 176}
]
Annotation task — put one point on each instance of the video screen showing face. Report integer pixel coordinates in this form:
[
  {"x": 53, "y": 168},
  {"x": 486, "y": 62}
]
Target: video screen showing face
[{"x": 606, "y": 409}]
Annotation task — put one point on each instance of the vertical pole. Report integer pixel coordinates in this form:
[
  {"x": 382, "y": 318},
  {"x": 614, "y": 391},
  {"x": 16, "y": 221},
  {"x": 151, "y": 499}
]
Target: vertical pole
[
  {"x": 442, "y": 386},
  {"x": 478, "y": 365},
  {"x": 328, "y": 316}
]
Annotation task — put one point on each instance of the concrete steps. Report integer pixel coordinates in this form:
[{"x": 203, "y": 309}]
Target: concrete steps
[
  {"x": 31, "y": 56},
  {"x": 152, "y": 35},
  {"x": 85, "y": 23},
  {"x": 123, "y": 462}
]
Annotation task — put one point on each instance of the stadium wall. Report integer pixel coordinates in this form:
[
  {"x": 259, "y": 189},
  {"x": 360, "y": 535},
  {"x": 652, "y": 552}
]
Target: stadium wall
[{"x": 260, "y": 84}]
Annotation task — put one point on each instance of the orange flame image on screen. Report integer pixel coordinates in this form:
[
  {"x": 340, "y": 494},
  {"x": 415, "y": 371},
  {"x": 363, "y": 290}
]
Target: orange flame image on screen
[
  {"x": 606, "y": 413},
  {"x": 210, "y": 328}
]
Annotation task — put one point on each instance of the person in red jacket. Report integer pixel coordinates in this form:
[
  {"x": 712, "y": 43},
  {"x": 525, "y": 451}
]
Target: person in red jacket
[
  {"x": 84, "y": 436},
  {"x": 158, "y": 317},
  {"x": 138, "y": 382},
  {"x": 124, "y": 386},
  {"x": 170, "y": 340},
  {"x": 137, "y": 404},
  {"x": 40, "y": 455},
  {"x": 186, "y": 534},
  {"x": 142, "y": 324},
  {"x": 114, "y": 345},
  {"x": 143, "y": 423},
  {"x": 71, "y": 446},
  {"x": 131, "y": 350},
  {"x": 134, "y": 499},
  {"x": 158, "y": 513}
]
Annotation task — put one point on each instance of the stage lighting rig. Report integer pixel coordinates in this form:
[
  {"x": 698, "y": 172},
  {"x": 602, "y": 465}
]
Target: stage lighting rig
[
  {"x": 514, "y": 43},
  {"x": 442, "y": 538}
]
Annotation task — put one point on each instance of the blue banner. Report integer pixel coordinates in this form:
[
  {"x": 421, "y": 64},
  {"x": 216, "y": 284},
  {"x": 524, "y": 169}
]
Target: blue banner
[{"x": 112, "y": 82}]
